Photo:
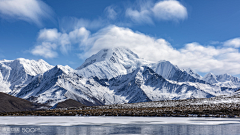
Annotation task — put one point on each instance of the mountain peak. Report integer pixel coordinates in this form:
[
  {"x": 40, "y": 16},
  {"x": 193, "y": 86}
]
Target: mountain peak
[
  {"x": 223, "y": 80},
  {"x": 65, "y": 69},
  {"x": 227, "y": 77},
  {"x": 209, "y": 74},
  {"x": 115, "y": 55},
  {"x": 109, "y": 63},
  {"x": 31, "y": 67},
  {"x": 21, "y": 59},
  {"x": 41, "y": 60},
  {"x": 210, "y": 77}
]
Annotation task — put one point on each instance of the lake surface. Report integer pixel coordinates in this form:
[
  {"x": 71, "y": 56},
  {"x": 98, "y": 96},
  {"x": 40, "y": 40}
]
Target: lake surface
[
  {"x": 229, "y": 129},
  {"x": 118, "y": 125}
]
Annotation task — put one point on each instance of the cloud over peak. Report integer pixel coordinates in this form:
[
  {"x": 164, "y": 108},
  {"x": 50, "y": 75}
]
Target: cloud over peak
[
  {"x": 193, "y": 55},
  {"x": 219, "y": 60}
]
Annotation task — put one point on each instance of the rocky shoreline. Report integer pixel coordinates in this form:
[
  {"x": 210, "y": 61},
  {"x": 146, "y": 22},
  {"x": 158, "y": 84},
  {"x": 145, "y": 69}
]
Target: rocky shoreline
[{"x": 206, "y": 107}]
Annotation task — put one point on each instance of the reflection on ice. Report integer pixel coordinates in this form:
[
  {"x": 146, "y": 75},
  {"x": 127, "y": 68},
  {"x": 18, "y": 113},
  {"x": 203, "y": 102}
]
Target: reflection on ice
[
  {"x": 176, "y": 129},
  {"x": 74, "y": 120}
]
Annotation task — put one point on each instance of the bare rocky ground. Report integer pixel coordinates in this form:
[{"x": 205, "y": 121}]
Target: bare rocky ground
[{"x": 222, "y": 106}]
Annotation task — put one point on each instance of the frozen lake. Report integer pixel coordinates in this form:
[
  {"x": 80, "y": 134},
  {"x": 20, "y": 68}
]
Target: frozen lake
[{"x": 118, "y": 125}]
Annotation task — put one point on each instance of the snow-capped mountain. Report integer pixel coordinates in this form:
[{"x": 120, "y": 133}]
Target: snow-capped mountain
[
  {"x": 4, "y": 86},
  {"x": 112, "y": 62},
  {"x": 142, "y": 85},
  {"x": 15, "y": 74},
  {"x": 172, "y": 72},
  {"x": 61, "y": 83},
  {"x": 112, "y": 76},
  {"x": 224, "y": 80},
  {"x": 211, "y": 78},
  {"x": 109, "y": 63},
  {"x": 145, "y": 85}
]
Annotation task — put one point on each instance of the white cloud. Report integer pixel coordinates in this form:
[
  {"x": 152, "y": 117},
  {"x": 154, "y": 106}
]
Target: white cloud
[
  {"x": 45, "y": 50},
  {"x": 51, "y": 40},
  {"x": 169, "y": 10},
  {"x": 27, "y": 10},
  {"x": 64, "y": 42},
  {"x": 143, "y": 16},
  {"x": 221, "y": 59},
  {"x": 79, "y": 35},
  {"x": 193, "y": 55},
  {"x": 48, "y": 34},
  {"x": 233, "y": 42},
  {"x": 111, "y": 13},
  {"x": 162, "y": 10}
]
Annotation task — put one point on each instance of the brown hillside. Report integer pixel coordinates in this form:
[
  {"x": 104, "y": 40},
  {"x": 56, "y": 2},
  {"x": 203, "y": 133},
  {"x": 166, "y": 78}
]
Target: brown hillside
[
  {"x": 10, "y": 103},
  {"x": 69, "y": 103}
]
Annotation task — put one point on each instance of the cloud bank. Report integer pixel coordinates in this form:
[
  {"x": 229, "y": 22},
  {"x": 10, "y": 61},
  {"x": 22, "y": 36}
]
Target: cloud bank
[
  {"x": 221, "y": 59},
  {"x": 28, "y": 10}
]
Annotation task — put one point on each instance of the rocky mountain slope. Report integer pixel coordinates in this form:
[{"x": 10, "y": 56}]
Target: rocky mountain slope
[
  {"x": 142, "y": 85},
  {"x": 112, "y": 76},
  {"x": 109, "y": 63}
]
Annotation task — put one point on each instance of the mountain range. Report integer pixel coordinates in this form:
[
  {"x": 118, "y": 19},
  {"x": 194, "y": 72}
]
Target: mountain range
[{"x": 111, "y": 76}]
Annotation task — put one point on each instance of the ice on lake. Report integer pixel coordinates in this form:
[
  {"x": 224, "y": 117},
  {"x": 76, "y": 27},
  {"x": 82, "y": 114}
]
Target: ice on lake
[
  {"x": 101, "y": 120},
  {"x": 118, "y": 125}
]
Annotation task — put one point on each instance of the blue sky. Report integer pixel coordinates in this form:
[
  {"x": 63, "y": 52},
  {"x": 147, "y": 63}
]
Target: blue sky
[{"x": 201, "y": 35}]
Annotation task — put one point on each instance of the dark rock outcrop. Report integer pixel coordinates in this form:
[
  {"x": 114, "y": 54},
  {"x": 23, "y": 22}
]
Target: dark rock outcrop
[{"x": 69, "y": 103}]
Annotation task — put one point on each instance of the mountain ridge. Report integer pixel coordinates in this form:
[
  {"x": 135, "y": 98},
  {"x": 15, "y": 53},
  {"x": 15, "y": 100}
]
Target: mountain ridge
[{"x": 112, "y": 76}]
